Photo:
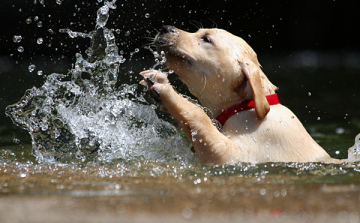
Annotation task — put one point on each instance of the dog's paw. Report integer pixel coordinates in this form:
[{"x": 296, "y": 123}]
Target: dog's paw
[{"x": 156, "y": 81}]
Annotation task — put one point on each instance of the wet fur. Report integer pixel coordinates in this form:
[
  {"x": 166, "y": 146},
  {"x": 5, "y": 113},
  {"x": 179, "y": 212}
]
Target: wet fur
[{"x": 221, "y": 70}]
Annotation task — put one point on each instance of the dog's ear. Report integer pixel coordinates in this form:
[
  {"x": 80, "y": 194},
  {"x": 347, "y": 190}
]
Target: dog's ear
[{"x": 252, "y": 73}]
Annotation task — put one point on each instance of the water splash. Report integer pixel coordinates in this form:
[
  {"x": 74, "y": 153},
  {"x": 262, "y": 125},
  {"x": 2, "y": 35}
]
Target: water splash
[
  {"x": 83, "y": 117},
  {"x": 354, "y": 151},
  {"x": 103, "y": 13}
]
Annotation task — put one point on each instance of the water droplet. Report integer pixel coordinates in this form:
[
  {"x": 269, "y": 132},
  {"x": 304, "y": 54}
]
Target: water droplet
[
  {"x": 40, "y": 40},
  {"x": 186, "y": 213},
  {"x": 39, "y": 24},
  {"x": 276, "y": 193},
  {"x": 147, "y": 15},
  {"x": 262, "y": 191},
  {"x": 36, "y": 18},
  {"x": 17, "y": 39},
  {"x": 194, "y": 133},
  {"x": 31, "y": 68},
  {"x": 118, "y": 31},
  {"x": 28, "y": 20},
  {"x": 51, "y": 31},
  {"x": 127, "y": 33},
  {"x": 102, "y": 15},
  {"x": 22, "y": 175},
  {"x": 309, "y": 93},
  {"x": 339, "y": 130},
  {"x": 318, "y": 118},
  {"x": 223, "y": 80},
  {"x": 197, "y": 181},
  {"x": 59, "y": 2},
  {"x": 137, "y": 50},
  {"x": 40, "y": 72},
  {"x": 20, "y": 49}
]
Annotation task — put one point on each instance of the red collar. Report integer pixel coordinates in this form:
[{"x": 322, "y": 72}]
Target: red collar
[{"x": 273, "y": 99}]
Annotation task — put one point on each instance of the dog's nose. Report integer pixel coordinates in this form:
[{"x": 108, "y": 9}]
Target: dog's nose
[{"x": 168, "y": 29}]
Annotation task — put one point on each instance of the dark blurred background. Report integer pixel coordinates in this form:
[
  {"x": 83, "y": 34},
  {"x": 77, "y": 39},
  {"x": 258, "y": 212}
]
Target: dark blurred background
[{"x": 309, "y": 48}]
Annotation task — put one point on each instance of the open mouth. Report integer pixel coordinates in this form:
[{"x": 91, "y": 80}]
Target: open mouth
[
  {"x": 162, "y": 41},
  {"x": 185, "y": 59},
  {"x": 166, "y": 41},
  {"x": 171, "y": 50},
  {"x": 174, "y": 54}
]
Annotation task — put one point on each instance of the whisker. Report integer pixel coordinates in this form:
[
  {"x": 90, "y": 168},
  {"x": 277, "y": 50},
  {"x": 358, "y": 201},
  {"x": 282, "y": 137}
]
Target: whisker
[
  {"x": 197, "y": 24},
  {"x": 163, "y": 45},
  {"x": 214, "y": 25},
  {"x": 148, "y": 37},
  {"x": 156, "y": 30},
  {"x": 148, "y": 45}
]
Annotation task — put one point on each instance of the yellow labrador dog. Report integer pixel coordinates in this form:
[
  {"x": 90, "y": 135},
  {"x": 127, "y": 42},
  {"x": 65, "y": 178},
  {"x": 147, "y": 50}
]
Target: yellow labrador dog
[{"x": 223, "y": 72}]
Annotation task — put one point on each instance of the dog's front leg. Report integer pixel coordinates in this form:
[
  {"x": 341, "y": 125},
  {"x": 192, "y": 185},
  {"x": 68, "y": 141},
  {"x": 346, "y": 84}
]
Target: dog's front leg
[{"x": 210, "y": 145}]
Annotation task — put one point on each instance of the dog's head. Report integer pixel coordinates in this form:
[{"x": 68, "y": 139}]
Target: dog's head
[{"x": 220, "y": 69}]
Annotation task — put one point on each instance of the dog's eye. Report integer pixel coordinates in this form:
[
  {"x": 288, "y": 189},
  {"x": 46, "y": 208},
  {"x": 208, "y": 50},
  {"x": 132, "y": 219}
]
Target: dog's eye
[{"x": 206, "y": 39}]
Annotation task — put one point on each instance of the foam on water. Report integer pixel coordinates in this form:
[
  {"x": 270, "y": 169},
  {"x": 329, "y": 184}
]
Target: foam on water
[{"x": 83, "y": 117}]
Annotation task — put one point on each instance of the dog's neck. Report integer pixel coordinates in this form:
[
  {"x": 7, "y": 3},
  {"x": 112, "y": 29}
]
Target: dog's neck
[{"x": 273, "y": 99}]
